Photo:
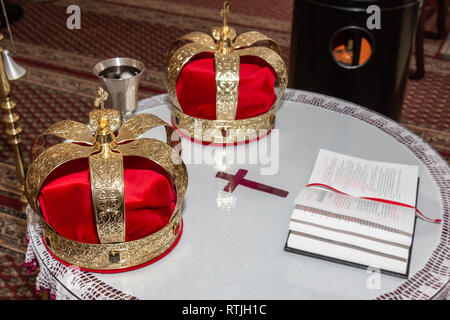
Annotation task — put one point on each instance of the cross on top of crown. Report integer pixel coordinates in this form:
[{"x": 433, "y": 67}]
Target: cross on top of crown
[
  {"x": 225, "y": 11},
  {"x": 102, "y": 95}
]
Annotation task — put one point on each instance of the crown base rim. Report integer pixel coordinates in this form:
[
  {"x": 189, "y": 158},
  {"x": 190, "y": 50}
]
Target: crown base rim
[
  {"x": 223, "y": 132},
  {"x": 131, "y": 255}
]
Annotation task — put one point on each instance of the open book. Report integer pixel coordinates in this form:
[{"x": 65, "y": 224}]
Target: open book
[{"x": 350, "y": 229}]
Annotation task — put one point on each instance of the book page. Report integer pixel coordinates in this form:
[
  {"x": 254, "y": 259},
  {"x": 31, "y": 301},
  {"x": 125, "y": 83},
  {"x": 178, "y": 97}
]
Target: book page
[
  {"x": 365, "y": 178},
  {"x": 346, "y": 225},
  {"x": 352, "y": 212},
  {"x": 338, "y": 251},
  {"x": 360, "y": 240}
]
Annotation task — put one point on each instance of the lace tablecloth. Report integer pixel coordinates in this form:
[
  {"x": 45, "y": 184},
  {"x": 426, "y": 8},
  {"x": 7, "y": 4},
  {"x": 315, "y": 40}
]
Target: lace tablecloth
[{"x": 430, "y": 282}]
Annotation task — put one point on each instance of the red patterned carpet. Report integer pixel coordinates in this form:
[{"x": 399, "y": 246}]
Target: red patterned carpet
[
  {"x": 426, "y": 108},
  {"x": 15, "y": 282},
  {"x": 59, "y": 83}
]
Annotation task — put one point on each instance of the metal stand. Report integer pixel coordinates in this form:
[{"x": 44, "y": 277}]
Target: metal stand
[{"x": 12, "y": 129}]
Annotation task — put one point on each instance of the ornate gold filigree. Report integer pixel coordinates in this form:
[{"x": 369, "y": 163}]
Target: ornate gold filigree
[
  {"x": 105, "y": 153},
  {"x": 224, "y": 131},
  {"x": 138, "y": 125},
  {"x": 114, "y": 255},
  {"x": 67, "y": 130},
  {"x": 111, "y": 115},
  {"x": 251, "y": 38},
  {"x": 227, "y": 49},
  {"x": 106, "y": 175},
  {"x": 224, "y": 12},
  {"x": 200, "y": 38},
  {"x": 227, "y": 85},
  {"x": 102, "y": 96}
]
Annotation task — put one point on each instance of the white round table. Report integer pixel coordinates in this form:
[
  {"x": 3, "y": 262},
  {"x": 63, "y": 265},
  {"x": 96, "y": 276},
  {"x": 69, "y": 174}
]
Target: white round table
[{"x": 232, "y": 243}]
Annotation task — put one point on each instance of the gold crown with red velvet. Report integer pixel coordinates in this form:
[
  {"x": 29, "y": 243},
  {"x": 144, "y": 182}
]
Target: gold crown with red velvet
[
  {"x": 225, "y": 89},
  {"x": 109, "y": 202}
]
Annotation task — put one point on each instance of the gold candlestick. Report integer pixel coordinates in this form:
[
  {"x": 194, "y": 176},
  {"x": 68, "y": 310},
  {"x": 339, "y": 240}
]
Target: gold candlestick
[{"x": 12, "y": 128}]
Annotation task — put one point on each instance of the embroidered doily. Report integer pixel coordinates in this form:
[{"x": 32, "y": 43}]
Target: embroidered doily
[{"x": 62, "y": 282}]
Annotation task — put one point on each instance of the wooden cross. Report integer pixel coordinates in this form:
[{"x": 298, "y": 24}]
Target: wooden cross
[{"x": 238, "y": 179}]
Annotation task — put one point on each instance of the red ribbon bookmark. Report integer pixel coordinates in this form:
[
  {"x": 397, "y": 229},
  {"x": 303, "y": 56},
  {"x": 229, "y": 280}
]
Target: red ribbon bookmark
[{"x": 378, "y": 200}]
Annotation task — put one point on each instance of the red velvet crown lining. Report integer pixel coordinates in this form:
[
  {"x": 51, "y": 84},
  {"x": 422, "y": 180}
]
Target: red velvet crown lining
[
  {"x": 196, "y": 87},
  {"x": 66, "y": 201}
]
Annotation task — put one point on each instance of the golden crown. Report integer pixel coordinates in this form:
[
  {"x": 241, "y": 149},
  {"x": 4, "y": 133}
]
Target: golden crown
[
  {"x": 228, "y": 50},
  {"x": 105, "y": 152}
]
